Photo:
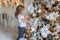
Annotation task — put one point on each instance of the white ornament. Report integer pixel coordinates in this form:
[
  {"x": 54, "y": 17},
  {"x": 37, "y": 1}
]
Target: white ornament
[{"x": 39, "y": 11}]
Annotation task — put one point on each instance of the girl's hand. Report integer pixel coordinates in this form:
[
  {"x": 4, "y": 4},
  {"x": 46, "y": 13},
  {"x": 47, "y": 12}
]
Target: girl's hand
[{"x": 24, "y": 20}]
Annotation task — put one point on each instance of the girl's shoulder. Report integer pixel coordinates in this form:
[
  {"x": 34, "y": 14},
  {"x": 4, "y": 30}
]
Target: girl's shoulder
[{"x": 20, "y": 16}]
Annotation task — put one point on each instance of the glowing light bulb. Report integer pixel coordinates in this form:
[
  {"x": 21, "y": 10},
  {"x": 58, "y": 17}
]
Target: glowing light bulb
[{"x": 0, "y": 3}]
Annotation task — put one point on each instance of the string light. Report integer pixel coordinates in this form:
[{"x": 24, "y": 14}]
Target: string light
[
  {"x": 0, "y": 3},
  {"x": 57, "y": 0},
  {"x": 11, "y": 2}
]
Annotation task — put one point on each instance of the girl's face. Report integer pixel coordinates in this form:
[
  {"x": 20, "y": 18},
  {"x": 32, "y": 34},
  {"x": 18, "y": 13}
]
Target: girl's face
[{"x": 23, "y": 10}]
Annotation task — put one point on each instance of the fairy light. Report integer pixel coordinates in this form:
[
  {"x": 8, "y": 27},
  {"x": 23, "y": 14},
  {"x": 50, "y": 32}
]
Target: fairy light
[
  {"x": 5, "y": 2},
  {"x": 0, "y": 3},
  {"x": 57, "y": 0},
  {"x": 11, "y": 2}
]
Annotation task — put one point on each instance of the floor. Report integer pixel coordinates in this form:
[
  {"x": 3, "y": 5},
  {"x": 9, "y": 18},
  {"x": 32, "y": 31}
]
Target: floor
[{"x": 8, "y": 33}]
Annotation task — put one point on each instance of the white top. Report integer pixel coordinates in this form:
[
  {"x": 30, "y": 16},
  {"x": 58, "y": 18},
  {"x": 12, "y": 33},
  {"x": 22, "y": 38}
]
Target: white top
[
  {"x": 20, "y": 22},
  {"x": 36, "y": 22},
  {"x": 53, "y": 2},
  {"x": 48, "y": 5},
  {"x": 52, "y": 16},
  {"x": 45, "y": 31},
  {"x": 30, "y": 8},
  {"x": 22, "y": 39}
]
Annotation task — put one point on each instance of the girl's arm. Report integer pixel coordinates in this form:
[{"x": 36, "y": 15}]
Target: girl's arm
[{"x": 24, "y": 20}]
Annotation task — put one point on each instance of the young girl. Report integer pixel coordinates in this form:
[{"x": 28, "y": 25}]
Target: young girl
[{"x": 19, "y": 14}]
